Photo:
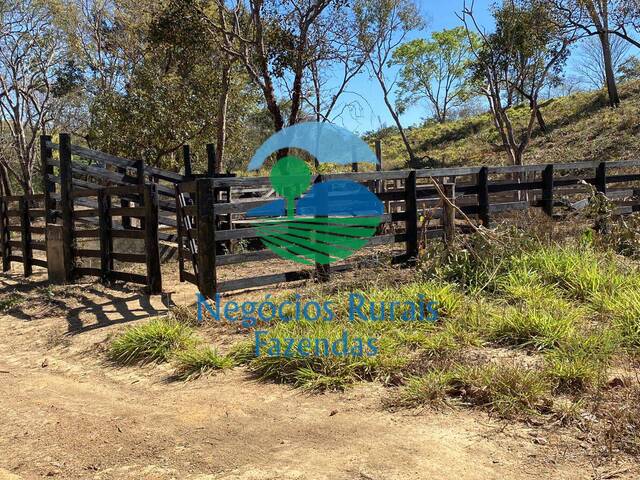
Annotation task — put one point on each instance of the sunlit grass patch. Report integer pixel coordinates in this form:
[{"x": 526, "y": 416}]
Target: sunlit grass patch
[
  {"x": 324, "y": 353},
  {"x": 195, "y": 362},
  {"x": 534, "y": 327},
  {"x": 622, "y": 307},
  {"x": 581, "y": 362},
  {"x": 581, "y": 272},
  {"x": 507, "y": 390},
  {"x": 154, "y": 341},
  {"x": 430, "y": 389}
]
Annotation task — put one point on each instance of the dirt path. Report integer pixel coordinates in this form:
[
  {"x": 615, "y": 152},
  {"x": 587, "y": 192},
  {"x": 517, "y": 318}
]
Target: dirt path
[{"x": 65, "y": 414}]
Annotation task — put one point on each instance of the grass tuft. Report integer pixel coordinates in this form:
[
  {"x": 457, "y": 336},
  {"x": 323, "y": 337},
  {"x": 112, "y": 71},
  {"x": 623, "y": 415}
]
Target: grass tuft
[
  {"x": 195, "y": 362},
  {"x": 532, "y": 327},
  {"x": 581, "y": 362},
  {"x": 508, "y": 391},
  {"x": 154, "y": 341}
]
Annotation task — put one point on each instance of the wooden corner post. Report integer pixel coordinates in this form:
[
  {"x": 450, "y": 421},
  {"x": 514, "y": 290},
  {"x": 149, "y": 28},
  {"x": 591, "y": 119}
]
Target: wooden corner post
[
  {"x": 186, "y": 157},
  {"x": 5, "y": 236},
  {"x": 66, "y": 200},
  {"x": 151, "y": 204},
  {"x": 206, "y": 228},
  {"x": 323, "y": 270},
  {"x": 411, "y": 212},
  {"x": 212, "y": 166},
  {"x": 48, "y": 187}
]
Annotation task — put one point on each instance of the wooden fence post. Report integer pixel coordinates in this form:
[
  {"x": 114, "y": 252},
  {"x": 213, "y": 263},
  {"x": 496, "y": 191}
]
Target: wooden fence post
[
  {"x": 206, "y": 228},
  {"x": 154, "y": 275},
  {"x": 378, "y": 146},
  {"x": 5, "y": 236},
  {"x": 547, "y": 190},
  {"x": 105, "y": 225},
  {"x": 601, "y": 178},
  {"x": 141, "y": 180},
  {"x": 25, "y": 230},
  {"x": 186, "y": 157},
  {"x": 48, "y": 187},
  {"x": 411, "y": 212},
  {"x": 379, "y": 183},
  {"x": 354, "y": 161},
  {"x": 449, "y": 213},
  {"x": 212, "y": 167},
  {"x": 483, "y": 196},
  {"x": 323, "y": 270},
  {"x": 66, "y": 200},
  {"x": 179, "y": 234}
]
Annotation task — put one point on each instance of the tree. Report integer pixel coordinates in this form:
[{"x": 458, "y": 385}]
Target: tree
[
  {"x": 601, "y": 18},
  {"x": 437, "y": 70},
  {"x": 591, "y": 64},
  {"x": 330, "y": 73},
  {"x": 274, "y": 42},
  {"x": 30, "y": 54},
  {"x": 630, "y": 70},
  {"x": 519, "y": 58},
  {"x": 383, "y": 26}
]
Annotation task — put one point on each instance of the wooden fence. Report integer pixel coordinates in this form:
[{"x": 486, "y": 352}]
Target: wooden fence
[
  {"x": 414, "y": 210},
  {"x": 22, "y": 229},
  {"x": 92, "y": 199},
  {"x": 105, "y": 211}
]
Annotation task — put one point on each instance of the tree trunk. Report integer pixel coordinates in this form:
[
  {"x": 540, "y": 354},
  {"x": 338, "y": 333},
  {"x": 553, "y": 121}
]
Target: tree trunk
[
  {"x": 396, "y": 118},
  {"x": 612, "y": 88},
  {"x": 541, "y": 123},
  {"x": 222, "y": 118},
  {"x": 5, "y": 184}
]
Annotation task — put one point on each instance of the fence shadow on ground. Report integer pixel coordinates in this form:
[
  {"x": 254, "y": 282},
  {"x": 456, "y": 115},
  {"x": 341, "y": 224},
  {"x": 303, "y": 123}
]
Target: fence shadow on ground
[
  {"x": 84, "y": 309},
  {"x": 114, "y": 310}
]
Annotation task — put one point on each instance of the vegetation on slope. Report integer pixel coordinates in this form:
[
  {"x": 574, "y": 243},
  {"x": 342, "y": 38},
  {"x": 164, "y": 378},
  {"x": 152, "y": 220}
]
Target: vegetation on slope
[{"x": 581, "y": 127}]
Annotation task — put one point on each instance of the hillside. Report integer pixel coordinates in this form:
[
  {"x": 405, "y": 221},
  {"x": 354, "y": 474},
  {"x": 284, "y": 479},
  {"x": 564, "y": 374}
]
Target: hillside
[{"x": 580, "y": 127}]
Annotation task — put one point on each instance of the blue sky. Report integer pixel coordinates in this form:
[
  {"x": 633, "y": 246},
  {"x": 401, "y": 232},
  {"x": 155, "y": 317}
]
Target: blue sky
[{"x": 374, "y": 113}]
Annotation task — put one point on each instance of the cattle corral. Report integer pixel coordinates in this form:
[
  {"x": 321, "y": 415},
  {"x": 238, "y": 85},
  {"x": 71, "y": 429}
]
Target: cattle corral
[{"x": 96, "y": 208}]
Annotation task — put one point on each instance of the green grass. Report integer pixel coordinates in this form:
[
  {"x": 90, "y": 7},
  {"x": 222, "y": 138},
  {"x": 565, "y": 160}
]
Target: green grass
[
  {"x": 622, "y": 307},
  {"x": 195, "y": 362},
  {"x": 154, "y": 341},
  {"x": 522, "y": 330},
  {"x": 432, "y": 388},
  {"x": 581, "y": 362},
  {"x": 537, "y": 327}
]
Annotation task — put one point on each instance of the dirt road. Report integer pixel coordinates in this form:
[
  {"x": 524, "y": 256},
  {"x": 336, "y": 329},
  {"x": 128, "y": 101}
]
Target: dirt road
[{"x": 66, "y": 414}]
